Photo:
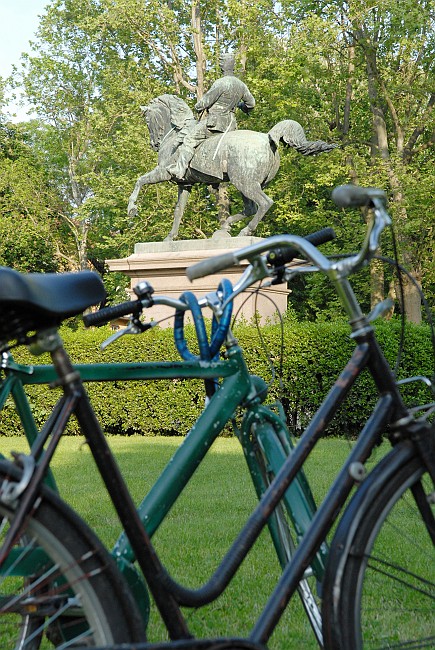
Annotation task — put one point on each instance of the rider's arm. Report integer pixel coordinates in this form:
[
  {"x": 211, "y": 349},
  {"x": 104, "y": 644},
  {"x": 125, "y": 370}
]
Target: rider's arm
[
  {"x": 209, "y": 98},
  {"x": 248, "y": 102}
]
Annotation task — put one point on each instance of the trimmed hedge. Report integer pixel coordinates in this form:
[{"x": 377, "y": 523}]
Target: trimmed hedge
[{"x": 314, "y": 355}]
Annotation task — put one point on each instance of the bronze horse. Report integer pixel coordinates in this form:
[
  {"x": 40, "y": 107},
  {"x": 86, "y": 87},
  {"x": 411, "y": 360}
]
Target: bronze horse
[{"x": 247, "y": 159}]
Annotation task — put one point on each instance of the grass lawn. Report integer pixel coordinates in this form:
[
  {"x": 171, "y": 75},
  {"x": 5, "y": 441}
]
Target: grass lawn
[{"x": 199, "y": 529}]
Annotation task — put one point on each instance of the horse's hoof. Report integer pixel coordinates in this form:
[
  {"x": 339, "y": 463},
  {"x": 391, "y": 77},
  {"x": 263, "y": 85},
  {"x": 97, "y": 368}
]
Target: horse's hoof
[
  {"x": 132, "y": 212},
  {"x": 245, "y": 232}
]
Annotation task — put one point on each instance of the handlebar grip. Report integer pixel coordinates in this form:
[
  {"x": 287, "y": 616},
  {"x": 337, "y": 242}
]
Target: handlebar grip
[
  {"x": 354, "y": 196},
  {"x": 108, "y": 314},
  {"x": 281, "y": 256},
  {"x": 211, "y": 265}
]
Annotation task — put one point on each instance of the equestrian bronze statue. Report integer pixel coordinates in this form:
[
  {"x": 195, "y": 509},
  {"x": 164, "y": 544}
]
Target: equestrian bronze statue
[{"x": 247, "y": 159}]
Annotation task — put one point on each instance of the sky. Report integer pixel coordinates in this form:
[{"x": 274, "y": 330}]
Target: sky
[{"x": 18, "y": 24}]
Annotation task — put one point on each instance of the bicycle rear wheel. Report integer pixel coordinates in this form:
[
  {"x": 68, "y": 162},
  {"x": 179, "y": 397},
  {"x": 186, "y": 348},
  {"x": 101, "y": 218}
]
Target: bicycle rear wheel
[
  {"x": 59, "y": 587},
  {"x": 379, "y": 588}
]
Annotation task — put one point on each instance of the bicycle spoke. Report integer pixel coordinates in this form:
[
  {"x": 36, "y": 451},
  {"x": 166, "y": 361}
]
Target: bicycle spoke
[
  {"x": 47, "y": 594},
  {"x": 410, "y": 645},
  {"x": 402, "y": 581}
]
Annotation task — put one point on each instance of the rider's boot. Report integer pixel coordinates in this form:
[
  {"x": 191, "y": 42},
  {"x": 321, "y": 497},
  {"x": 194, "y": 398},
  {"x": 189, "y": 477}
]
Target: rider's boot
[{"x": 178, "y": 169}]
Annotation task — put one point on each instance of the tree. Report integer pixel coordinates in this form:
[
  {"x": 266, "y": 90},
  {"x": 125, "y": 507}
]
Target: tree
[
  {"x": 27, "y": 205},
  {"x": 383, "y": 62},
  {"x": 396, "y": 42},
  {"x": 80, "y": 82},
  {"x": 347, "y": 71}
]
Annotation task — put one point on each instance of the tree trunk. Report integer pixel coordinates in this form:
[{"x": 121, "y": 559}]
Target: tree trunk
[
  {"x": 412, "y": 306},
  {"x": 377, "y": 291},
  {"x": 198, "y": 45},
  {"x": 82, "y": 244},
  {"x": 223, "y": 203}
]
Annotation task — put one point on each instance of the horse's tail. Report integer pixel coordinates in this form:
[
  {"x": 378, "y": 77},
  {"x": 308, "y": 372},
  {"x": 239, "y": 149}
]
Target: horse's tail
[{"x": 292, "y": 134}]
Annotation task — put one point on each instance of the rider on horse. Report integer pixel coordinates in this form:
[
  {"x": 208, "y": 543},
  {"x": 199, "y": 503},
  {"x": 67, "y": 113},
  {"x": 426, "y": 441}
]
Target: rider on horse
[{"x": 220, "y": 102}]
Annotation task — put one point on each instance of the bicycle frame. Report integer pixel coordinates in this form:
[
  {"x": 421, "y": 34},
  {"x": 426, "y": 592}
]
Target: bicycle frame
[{"x": 236, "y": 388}]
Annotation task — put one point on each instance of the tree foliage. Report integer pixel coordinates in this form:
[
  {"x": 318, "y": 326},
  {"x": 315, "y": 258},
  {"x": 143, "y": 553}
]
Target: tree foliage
[
  {"x": 315, "y": 355},
  {"x": 27, "y": 205},
  {"x": 357, "y": 73}
]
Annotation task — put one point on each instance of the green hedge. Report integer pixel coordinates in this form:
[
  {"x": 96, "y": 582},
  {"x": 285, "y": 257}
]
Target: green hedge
[{"x": 314, "y": 354}]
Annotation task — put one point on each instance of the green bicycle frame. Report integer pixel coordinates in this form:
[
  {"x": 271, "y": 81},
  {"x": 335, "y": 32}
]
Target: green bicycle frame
[{"x": 237, "y": 389}]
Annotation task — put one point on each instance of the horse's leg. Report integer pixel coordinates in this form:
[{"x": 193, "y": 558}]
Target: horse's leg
[
  {"x": 250, "y": 208},
  {"x": 183, "y": 195},
  {"x": 156, "y": 175},
  {"x": 255, "y": 195}
]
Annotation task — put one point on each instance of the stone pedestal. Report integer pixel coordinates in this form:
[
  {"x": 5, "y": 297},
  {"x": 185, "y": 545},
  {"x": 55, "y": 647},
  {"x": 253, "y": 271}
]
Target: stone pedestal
[{"x": 164, "y": 265}]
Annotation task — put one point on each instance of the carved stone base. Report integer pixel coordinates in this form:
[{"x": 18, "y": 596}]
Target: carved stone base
[{"x": 164, "y": 265}]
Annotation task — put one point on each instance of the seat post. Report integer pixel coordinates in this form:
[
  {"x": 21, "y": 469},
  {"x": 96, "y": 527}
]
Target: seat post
[{"x": 49, "y": 340}]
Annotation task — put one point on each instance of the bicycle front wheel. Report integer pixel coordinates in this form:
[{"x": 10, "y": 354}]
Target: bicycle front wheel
[
  {"x": 59, "y": 587},
  {"x": 380, "y": 584}
]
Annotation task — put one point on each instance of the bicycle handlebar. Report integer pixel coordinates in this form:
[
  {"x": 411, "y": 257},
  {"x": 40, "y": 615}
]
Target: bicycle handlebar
[
  {"x": 279, "y": 249},
  {"x": 286, "y": 255},
  {"x": 131, "y": 307},
  {"x": 212, "y": 265},
  {"x": 292, "y": 245},
  {"x": 354, "y": 196},
  {"x": 108, "y": 314},
  {"x": 222, "y": 262}
]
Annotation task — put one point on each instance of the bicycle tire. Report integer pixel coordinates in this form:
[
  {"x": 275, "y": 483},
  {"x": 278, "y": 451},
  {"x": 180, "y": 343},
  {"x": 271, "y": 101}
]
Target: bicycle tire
[
  {"x": 283, "y": 537},
  {"x": 74, "y": 594},
  {"x": 379, "y": 589}
]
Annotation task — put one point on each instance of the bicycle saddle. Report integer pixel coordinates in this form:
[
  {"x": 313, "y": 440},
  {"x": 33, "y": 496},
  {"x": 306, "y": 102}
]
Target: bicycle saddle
[{"x": 29, "y": 301}]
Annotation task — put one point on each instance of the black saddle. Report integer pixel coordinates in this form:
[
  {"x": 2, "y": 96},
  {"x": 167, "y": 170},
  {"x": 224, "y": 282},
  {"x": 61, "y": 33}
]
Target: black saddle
[{"x": 31, "y": 301}]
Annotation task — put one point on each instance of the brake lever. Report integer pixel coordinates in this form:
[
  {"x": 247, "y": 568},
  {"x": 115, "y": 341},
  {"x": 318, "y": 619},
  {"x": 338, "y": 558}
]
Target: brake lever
[
  {"x": 256, "y": 271},
  {"x": 134, "y": 327}
]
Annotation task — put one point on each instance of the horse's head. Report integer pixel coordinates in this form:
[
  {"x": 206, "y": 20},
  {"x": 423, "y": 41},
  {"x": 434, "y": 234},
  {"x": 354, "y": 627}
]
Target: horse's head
[
  {"x": 163, "y": 114},
  {"x": 157, "y": 117}
]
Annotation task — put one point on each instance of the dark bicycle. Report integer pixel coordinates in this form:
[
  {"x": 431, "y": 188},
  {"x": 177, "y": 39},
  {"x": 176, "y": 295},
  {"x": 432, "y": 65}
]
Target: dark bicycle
[{"x": 60, "y": 586}]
